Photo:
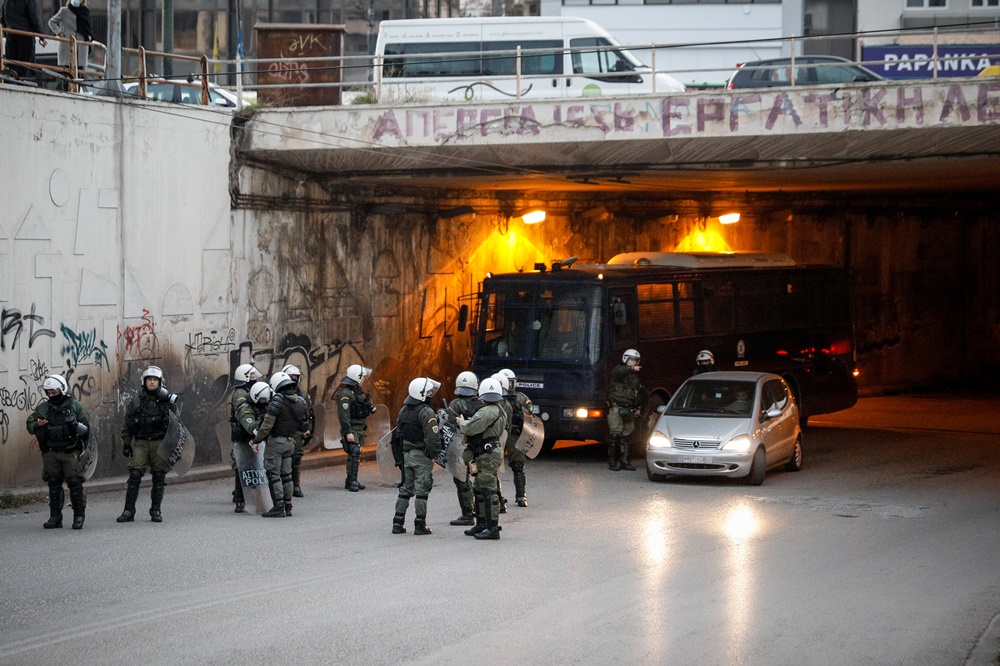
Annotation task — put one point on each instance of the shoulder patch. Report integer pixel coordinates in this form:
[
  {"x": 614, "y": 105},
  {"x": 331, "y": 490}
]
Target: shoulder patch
[
  {"x": 345, "y": 405},
  {"x": 434, "y": 429}
]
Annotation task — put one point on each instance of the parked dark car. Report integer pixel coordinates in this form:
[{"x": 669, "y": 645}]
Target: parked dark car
[{"x": 809, "y": 71}]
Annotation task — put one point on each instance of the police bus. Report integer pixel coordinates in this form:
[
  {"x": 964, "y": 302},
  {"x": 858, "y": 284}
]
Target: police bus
[
  {"x": 562, "y": 329},
  {"x": 465, "y": 59}
]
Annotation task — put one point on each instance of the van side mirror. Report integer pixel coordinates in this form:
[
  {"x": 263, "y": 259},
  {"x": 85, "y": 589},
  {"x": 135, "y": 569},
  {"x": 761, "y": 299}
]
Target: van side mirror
[
  {"x": 619, "y": 314},
  {"x": 463, "y": 317}
]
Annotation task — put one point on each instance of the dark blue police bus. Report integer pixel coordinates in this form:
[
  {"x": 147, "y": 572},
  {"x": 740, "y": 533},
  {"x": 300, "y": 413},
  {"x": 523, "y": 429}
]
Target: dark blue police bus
[{"x": 562, "y": 329}]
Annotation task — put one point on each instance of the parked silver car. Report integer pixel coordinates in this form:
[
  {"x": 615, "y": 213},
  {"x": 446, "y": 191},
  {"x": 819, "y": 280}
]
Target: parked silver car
[{"x": 737, "y": 424}]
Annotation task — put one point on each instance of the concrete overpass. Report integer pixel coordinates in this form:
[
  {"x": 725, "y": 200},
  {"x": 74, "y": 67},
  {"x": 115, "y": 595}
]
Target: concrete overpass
[{"x": 928, "y": 135}]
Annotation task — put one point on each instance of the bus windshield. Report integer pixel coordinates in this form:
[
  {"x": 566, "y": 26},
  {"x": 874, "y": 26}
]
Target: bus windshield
[{"x": 541, "y": 322}]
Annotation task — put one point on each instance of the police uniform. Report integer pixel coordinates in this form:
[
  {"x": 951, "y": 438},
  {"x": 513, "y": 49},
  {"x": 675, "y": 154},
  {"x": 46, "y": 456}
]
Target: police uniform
[
  {"x": 299, "y": 441},
  {"x": 354, "y": 406},
  {"x": 240, "y": 438},
  {"x": 286, "y": 415},
  {"x": 625, "y": 396},
  {"x": 483, "y": 432},
  {"x": 464, "y": 406},
  {"x": 146, "y": 420},
  {"x": 518, "y": 403},
  {"x": 61, "y": 447},
  {"x": 417, "y": 425}
]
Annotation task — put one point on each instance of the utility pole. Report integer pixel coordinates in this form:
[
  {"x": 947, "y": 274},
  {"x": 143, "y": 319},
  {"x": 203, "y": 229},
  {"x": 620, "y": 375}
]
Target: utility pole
[
  {"x": 112, "y": 86},
  {"x": 168, "y": 37},
  {"x": 232, "y": 27}
]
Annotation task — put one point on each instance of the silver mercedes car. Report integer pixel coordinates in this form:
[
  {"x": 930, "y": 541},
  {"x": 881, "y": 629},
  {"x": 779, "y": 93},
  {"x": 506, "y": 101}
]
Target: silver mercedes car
[{"x": 736, "y": 424}]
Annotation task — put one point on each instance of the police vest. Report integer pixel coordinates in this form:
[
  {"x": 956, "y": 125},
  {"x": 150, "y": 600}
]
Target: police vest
[
  {"x": 516, "y": 416},
  {"x": 410, "y": 426},
  {"x": 151, "y": 418},
  {"x": 60, "y": 432},
  {"x": 292, "y": 416},
  {"x": 624, "y": 388},
  {"x": 238, "y": 432},
  {"x": 360, "y": 405},
  {"x": 480, "y": 443}
]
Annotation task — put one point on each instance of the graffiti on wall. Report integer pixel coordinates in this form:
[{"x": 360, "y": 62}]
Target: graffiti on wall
[
  {"x": 12, "y": 323},
  {"x": 139, "y": 341},
  {"x": 84, "y": 346}
]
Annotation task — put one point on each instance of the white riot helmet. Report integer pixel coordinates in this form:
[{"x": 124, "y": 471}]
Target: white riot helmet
[
  {"x": 56, "y": 383},
  {"x": 630, "y": 353},
  {"x": 152, "y": 371},
  {"x": 292, "y": 371},
  {"x": 260, "y": 391},
  {"x": 705, "y": 357},
  {"x": 280, "y": 380},
  {"x": 511, "y": 378},
  {"x": 466, "y": 383},
  {"x": 246, "y": 373},
  {"x": 491, "y": 390},
  {"x": 502, "y": 380},
  {"x": 356, "y": 374},
  {"x": 423, "y": 388}
]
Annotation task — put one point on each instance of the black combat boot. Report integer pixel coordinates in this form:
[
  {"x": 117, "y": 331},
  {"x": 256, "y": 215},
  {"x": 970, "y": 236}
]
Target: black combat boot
[
  {"x": 296, "y": 488},
  {"x": 483, "y": 510},
  {"x": 491, "y": 530},
  {"x": 468, "y": 516},
  {"x": 276, "y": 511},
  {"x": 397, "y": 523},
  {"x": 78, "y": 499},
  {"x": 613, "y": 456},
  {"x": 420, "y": 527},
  {"x": 238, "y": 498},
  {"x": 519, "y": 486},
  {"x": 156, "y": 496},
  {"x": 56, "y": 500},
  {"x": 288, "y": 509},
  {"x": 625, "y": 464},
  {"x": 131, "y": 495}
]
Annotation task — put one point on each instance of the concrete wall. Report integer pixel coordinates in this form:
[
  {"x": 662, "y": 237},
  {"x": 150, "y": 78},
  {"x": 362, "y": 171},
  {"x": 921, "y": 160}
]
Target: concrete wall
[{"x": 119, "y": 248}]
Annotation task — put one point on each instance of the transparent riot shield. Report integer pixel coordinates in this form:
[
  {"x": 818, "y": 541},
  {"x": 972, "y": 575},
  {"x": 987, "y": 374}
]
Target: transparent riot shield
[
  {"x": 178, "y": 446},
  {"x": 386, "y": 460},
  {"x": 88, "y": 458},
  {"x": 251, "y": 468},
  {"x": 224, "y": 435},
  {"x": 378, "y": 424},
  {"x": 319, "y": 430},
  {"x": 532, "y": 436}
]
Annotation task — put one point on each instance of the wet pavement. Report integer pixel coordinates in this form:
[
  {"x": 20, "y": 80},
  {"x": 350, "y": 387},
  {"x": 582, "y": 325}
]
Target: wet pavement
[{"x": 883, "y": 549}]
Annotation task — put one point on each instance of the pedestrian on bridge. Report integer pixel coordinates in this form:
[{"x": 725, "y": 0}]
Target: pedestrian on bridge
[{"x": 21, "y": 15}]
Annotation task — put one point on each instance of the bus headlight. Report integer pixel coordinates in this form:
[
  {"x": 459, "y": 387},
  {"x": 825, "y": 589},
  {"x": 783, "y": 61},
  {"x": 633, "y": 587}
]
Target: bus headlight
[
  {"x": 740, "y": 443},
  {"x": 659, "y": 441},
  {"x": 582, "y": 413}
]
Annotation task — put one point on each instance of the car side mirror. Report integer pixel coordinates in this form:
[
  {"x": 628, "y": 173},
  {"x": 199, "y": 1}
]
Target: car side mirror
[
  {"x": 662, "y": 409},
  {"x": 772, "y": 413}
]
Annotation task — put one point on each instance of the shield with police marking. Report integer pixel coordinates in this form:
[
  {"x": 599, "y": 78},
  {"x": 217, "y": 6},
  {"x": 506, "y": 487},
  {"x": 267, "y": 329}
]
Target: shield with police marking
[
  {"x": 250, "y": 465},
  {"x": 178, "y": 446},
  {"x": 387, "y": 460},
  {"x": 532, "y": 436},
  {"x": 318, "y": 439},
  {"x": 88, "y": 458}
]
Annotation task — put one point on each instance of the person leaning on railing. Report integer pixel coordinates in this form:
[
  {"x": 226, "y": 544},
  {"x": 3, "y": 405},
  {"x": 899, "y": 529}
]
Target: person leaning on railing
[
  {"x": 21, "y": 15},
  {"x": 73, "y": 20}
]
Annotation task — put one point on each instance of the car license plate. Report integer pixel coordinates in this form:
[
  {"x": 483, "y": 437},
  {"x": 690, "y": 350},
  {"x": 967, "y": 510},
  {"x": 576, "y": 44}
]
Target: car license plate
[{"x": 694, "y": 459}]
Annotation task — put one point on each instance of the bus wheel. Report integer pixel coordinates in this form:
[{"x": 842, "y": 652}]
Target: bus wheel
[
  {"x": 548, "y": 444},
  {"x": 757, "y": 469}
]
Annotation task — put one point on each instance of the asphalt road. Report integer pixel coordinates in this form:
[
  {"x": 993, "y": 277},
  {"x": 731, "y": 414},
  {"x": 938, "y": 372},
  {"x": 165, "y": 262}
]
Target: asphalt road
[{"x": 884, "y": 549}]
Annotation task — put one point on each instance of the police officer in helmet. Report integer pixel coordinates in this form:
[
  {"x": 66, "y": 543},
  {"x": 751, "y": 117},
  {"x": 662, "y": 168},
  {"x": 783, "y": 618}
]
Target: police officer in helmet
[
  {"x": 62, "y": 426},
  {"x": 626, "y": 396},
  {"x": 705, "y": 362},
  {"x": 483, "y": 432},
  {"x": 300, "y": 439},
  {"x": 146, "y": 420},
  {"x": 465, "y": 404},
  {"x": 244, "y": 377},
  {"x": 354, "y": 406},
  {"x": 417, "y": 427},
  {"x": 287, "y": 415},
  {"x": 518, "y": 403}
]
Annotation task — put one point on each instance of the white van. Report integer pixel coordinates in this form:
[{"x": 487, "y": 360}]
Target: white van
[{"x": 562, "y": 56}]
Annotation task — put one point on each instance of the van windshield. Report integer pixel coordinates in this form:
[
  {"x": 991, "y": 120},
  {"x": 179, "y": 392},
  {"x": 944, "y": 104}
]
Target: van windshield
[{"x": 541, "y": 322}]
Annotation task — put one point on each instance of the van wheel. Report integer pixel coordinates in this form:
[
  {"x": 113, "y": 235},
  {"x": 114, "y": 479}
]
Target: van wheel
[
  {"x": 757, "y": 468},
  {"x": 794, "y": 463}
]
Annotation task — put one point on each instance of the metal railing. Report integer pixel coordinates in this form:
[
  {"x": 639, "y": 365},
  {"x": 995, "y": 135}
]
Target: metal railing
[{"x": 73, "y": 73}]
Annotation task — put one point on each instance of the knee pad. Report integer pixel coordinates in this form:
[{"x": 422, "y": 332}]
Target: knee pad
[
  {"x": 404, "y": 495},
  {"x": 159, "y": 477},
  {"x": 517, "y": 467},
  {"x": 135, "y": 474},
  {"x": 422, "y": 497},
  {"x": 286, "y": 478},
  {"x": 273, "y": 478},
  {"x": 74, "y": 482},
  {"x": 54, "y": 484}
]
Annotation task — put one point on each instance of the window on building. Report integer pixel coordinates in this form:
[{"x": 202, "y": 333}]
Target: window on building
[
  {"x": 985, "y": 3},
  {"x": 926, "y": 4}
]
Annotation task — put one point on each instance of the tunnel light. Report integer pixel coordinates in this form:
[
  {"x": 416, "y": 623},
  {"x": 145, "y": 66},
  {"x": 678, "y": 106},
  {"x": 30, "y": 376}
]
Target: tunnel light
[
  {"x": 533, "y": 217},
  {"x": 729, "y": 218}
]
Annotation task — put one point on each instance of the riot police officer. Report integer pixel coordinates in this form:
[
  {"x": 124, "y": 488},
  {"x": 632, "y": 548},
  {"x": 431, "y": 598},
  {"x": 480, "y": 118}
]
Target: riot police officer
[
  {"x": 300, "y": 439},
  {"x": 354, "y": 406},
  {"x": 483, "y": 432},
  {"x": 61, "y": 425},
  {"x": 518, "y": 403},
  {"x": 245, "y": 376},
  {"x": 704, "y": 362},
  {"x": 626, "y": 396},
  {"x": 465, "y": 404},
  {"x": 417, "y": 427},
  {"x": 508, "y": 415},
  {"x": 287, "y": 415},
  {"x": 146, "y": 420}
]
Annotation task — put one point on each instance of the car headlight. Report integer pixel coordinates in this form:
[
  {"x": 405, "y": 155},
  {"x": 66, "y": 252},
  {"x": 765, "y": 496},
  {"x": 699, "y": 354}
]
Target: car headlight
[
  {"x": 739, "y": 443},
  {"x": 659, "y": 441}
]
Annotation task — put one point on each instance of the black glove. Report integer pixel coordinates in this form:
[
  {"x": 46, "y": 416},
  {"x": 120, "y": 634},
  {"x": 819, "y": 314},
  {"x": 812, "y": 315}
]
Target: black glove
[{"x": 127, "y": 450}]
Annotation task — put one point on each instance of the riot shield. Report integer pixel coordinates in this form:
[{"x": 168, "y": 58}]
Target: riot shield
[
  {"x": 224, "y": 433},
  {"x": 532, "y": 436},
  {"x": 454, "y": 461},
  {"x": 177, "y": 447},
  {"x": 88, "y": 458},
  {"x": 378, "y": 424},
  {"x": 386, "y": 461},
  {"x": 319, "y": 429},
  {"x": 253, "y": 477}
]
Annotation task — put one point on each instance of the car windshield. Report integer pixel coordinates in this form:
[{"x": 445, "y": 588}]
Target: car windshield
[{"x": 714, "y": 397}]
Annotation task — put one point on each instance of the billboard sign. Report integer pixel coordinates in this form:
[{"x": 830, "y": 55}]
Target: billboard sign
[{"x": 916, "y": 61}]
